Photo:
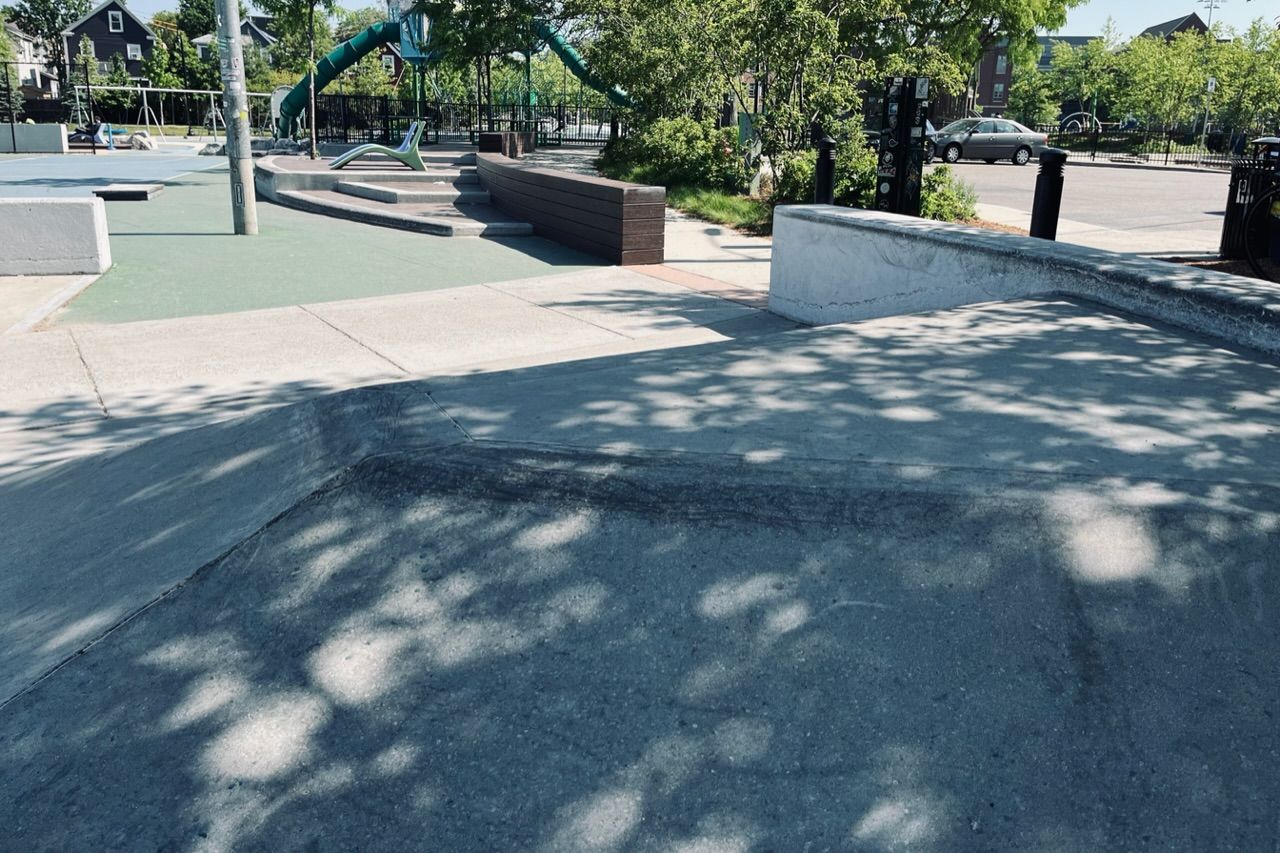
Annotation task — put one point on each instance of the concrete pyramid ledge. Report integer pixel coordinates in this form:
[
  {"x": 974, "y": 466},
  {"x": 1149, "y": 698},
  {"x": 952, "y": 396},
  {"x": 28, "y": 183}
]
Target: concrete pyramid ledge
[{"x": 838, "y": 264}]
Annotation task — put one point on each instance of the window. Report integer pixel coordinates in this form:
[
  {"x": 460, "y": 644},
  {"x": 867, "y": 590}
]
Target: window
[
  {"x": 104, "y": 67},
  {"x": 1002, "y": 64},
  {"x": 985, "y": 127},
  {"x": 388, "y": 63},
  {"x": 1007, "y": 127},
  {"x": 133, "y": 51},
  {"x": 115, "y": 22},
  {"x": 997, "y": 93}
]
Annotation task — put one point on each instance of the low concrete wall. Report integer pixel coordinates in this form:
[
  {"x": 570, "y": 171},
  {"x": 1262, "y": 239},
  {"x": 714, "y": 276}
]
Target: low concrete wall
[
  {"x": 839, "y": 264},
  {"x": 53, "y": 236},
  {"x": 620, "y": 222},
  {"x": 33, "y": 139}
]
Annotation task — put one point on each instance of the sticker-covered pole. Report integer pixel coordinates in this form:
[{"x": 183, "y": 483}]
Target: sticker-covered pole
[{"x": 235, "y": 111}]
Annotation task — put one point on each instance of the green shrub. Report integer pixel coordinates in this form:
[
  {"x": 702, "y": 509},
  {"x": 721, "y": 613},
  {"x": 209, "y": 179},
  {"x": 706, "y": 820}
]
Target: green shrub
[
  {"x": 677, "y": 152},
  {"x": 944, "y": 196},
  {"x": 855, "y": 174}
]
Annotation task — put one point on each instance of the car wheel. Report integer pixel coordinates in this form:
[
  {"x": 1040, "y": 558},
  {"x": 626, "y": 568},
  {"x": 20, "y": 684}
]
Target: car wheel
[
  {"x": 1022, "y": 156},
  {"x": 952, "y": 153},
  {"x": 930, "y": 151}
]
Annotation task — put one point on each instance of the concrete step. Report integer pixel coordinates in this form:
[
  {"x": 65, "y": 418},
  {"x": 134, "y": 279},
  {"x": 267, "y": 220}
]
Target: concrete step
[
  {"x": 441, "y": 219},
  {"x": 414, "y": 193}
]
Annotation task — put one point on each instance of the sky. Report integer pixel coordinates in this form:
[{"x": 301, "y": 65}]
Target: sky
[
  {"x": 1134, "y": 16},
  {"x": 1131, "y": 16}
]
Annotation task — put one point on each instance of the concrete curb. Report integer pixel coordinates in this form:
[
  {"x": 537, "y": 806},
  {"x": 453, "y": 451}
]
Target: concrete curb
[
  {"x": 51, "y": 305},
  {"x": 1149, "y": 167}
]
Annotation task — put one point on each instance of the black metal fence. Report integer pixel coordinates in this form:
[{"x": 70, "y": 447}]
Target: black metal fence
[
  {"x": 364, "y": 118},
  {"x": 1216, "y": 149}
]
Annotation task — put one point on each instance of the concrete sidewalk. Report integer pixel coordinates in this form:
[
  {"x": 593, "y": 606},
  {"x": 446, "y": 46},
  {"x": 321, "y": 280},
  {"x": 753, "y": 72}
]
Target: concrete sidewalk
[
  {"x": 1161, "y": 239},
  {"x": 98, "y": 386}
]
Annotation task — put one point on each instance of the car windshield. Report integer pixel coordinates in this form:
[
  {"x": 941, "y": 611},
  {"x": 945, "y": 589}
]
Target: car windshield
[{"x": 957, "y": 126}]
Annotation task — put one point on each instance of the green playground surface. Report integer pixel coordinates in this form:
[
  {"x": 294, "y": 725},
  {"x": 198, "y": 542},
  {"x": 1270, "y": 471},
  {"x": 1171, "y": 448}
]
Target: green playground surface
[{"x": 175, "y": 256}]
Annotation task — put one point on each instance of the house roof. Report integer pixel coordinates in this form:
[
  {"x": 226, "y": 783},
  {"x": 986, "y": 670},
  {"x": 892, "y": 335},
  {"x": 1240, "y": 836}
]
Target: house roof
[
  {"x": 245, "y": 36},
  {"x": 12, "y": 28},
  {"x": 250, "y": 22},
  {"x": 1169, "y": 27},
  {"x": 71, "y": 30}
]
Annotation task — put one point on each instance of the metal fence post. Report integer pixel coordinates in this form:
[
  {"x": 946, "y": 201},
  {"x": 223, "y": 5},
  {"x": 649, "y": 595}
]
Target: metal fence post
[
  {"x": 13, "y": 113},
  {"x": 88, "y": 94},
  {"x": 1048, "y": 198},
  {"x": 824, "y": 172}
]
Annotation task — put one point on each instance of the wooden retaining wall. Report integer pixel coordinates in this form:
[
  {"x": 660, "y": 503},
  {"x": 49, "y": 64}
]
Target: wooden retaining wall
[{"x": 620, "y": 222}]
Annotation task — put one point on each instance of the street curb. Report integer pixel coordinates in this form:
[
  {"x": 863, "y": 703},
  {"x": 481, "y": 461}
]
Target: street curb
[{"x": 1148, "y": 167}]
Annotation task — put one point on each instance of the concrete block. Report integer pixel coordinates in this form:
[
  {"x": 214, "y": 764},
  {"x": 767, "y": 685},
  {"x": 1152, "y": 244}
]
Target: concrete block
[
  {"x": 128, "y": 192},
  {"x": 33, "y": 139},
  {"x": 839, "y": 265},
  {"x": 53, "y": 236}
]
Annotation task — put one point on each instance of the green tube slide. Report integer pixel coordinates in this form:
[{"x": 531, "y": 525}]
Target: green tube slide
[
  {"x": 335, "y": 62},
  {"x": 574, "y": 62}
]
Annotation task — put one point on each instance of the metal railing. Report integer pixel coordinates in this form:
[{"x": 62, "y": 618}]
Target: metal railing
[
  {"x": 1154, "y": 147},
  {"x": 365, "y": 118}
]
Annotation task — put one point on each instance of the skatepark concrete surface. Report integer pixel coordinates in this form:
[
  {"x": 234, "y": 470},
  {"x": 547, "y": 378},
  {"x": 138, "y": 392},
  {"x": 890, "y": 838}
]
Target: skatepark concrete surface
[{"x": 1001, "y": 577}]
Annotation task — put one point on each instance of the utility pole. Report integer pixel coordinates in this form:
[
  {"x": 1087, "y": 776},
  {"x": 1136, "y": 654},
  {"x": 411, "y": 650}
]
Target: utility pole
[
  {"x": 235, "y": 110},
  {"x": 1211, "y": 83}
]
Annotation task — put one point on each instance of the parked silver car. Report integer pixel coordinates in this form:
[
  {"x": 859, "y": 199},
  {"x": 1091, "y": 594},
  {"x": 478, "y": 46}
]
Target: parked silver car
[{"x": 989, "y": 139}]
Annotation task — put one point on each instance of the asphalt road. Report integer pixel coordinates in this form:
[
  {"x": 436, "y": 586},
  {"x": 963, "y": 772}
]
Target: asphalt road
[{"x": 1125, "y": 199}]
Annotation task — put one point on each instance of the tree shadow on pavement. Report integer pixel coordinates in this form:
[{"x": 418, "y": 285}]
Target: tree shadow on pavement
[{"x": 1002, "y": 578}]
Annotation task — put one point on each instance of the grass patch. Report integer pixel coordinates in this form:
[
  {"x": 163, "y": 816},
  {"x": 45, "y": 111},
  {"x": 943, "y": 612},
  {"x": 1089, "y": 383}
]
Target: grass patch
[
  {"x": 750, "y": 215},
  {"x": 723, "y": 208}
]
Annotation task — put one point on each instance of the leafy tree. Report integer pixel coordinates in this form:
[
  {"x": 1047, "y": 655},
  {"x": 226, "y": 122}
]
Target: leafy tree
[
  {"x": 1248, "y": 72},
  {"x": 200, "y": 17},
  {"x": 184, "y": 64},
  {"x": 350, "y": 22},
  {"x": 84, "y": 71},
  {"x": 157, "y": 68},
  {"x": 946, "y": 39},
  {"x": 367, "y": 77},
  {"x": 117, "y": 76},
  {"x": 294, "y": 51},
  {"x": 11, "y": 86},
  {"x": 46, "y": 19},
  {"x": 197, "y": 17},
  {"x": 1163, "y": 82},
  {"x": 1086, "y": 74},
  {"x": 1031, "y": 98},
  {"x": 258, "y": 74}
]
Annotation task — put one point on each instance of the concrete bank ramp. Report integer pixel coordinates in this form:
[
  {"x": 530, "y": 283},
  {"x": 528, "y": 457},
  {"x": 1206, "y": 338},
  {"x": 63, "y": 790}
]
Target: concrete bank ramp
[{"x": 995, "y": 578}]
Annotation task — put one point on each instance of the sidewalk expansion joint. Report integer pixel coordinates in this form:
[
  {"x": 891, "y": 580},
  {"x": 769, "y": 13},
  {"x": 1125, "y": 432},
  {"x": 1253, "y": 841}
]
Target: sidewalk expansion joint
[
  {"x": 557, "y": 311},
  {"x": 355, "y": 340},
  {"x": 93, "y": 381}
]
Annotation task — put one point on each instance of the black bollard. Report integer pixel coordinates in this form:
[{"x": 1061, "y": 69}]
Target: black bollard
[
  {"x": 1048, "y": 200},
  {"x": 824, "y": 174}
]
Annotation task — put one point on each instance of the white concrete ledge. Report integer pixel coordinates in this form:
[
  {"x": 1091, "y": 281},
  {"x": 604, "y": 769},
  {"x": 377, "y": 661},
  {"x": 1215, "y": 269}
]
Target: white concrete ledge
[
  {"x": 33, "y": 139},
  {"x": 53, "y": 236},
  {"x": 840, "y": 264}
]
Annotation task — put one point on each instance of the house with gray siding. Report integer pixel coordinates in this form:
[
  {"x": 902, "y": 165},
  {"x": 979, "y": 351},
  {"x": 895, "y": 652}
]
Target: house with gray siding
[{"x": 112, "y": 29}]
